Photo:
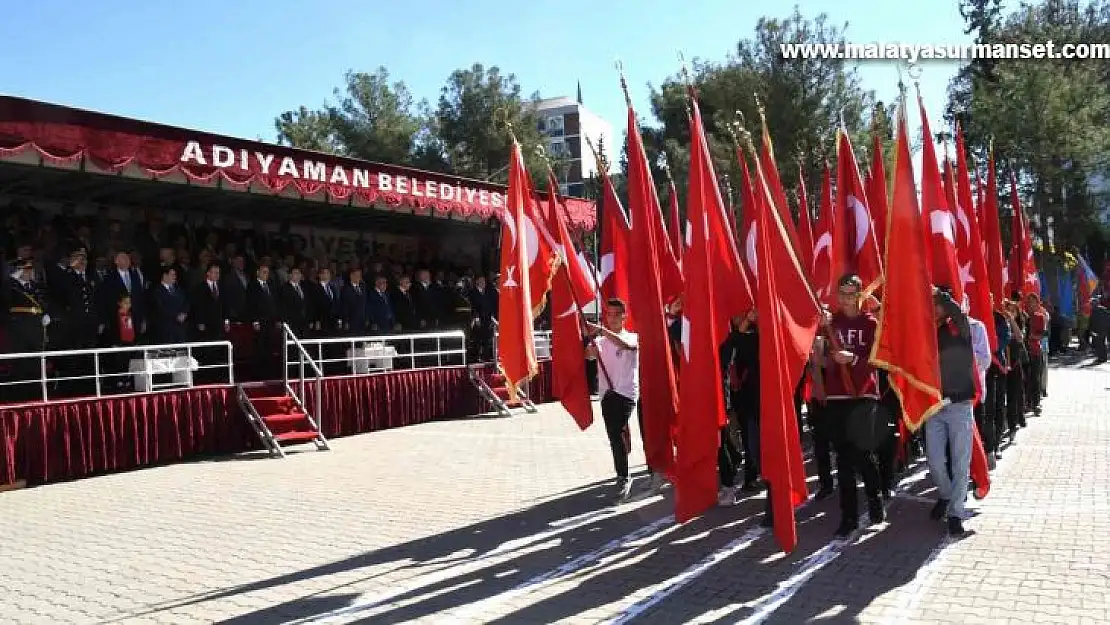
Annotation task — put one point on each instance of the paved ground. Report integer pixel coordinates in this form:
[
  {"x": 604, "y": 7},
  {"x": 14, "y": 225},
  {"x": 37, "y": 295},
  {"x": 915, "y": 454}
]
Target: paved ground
[{"x": 506, "y": 521}]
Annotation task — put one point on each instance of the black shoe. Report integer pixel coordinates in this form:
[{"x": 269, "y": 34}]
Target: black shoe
[
  {"x": 888, "y": 493},
  {"x": 875, "y": 510},
  {"x": 941, "y": 507},
  {"x": 847, "y": 526},
  {"x": 955, "y": 527},
  {"x": 824, "y": 493}
]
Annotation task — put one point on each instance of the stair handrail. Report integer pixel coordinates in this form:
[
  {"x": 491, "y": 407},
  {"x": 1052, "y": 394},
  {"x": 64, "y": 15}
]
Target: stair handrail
[{"x": 319, "y": 374}]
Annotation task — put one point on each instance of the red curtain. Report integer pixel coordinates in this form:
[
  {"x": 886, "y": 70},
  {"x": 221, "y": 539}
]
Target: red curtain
[{"x": 66, "y": 440}]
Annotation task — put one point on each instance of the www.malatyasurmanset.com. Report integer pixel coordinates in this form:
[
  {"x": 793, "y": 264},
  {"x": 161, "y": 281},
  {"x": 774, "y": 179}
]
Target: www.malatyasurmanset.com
[{"x": 913, "y": 53}]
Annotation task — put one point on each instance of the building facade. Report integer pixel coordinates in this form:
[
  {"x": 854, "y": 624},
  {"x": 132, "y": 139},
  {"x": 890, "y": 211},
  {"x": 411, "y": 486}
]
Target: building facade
[{"x": 567, "y": 124}]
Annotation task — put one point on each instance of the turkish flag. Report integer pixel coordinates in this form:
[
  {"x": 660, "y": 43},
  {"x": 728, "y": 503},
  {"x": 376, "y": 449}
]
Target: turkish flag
[
  {"x": 805, "y": 227},
  {"x": 906, "y": 339},
  {"x": 969, "y": 247},
  {"x": 940, "y": 218},
  {"x": 516, "y": 354},
  {"x": 1023, "y": 268},
  {"x": 746, "y": 229},
  {"x": 824, "y": 244},
  {"x": 877, "y": 192},
  {"x": 858, "y": 248},
  {"x": 992, "y": 236},
  {"x": 703, "y": 408},
  {"x": 770, "y": 169},
  {"x": 615, "y": 235},
  {"x": 653, "y": 280},
  {"x": 787, "y": 320},
  {"x": 674, "y": 227},
  {"x": 543, "y": 260},
  {"x": 571, "y": 290}
]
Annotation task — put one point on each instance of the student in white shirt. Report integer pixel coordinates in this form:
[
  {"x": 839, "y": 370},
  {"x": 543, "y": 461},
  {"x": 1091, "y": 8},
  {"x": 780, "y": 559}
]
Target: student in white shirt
[{"x": 617, "y": 349}]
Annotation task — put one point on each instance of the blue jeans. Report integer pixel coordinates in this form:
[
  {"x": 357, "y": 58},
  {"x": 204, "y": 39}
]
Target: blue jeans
[{"x": 951, "y": 429}]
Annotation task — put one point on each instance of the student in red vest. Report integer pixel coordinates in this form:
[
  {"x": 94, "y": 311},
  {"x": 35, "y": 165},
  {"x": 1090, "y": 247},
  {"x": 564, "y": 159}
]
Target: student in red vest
[
  {"x": 852, "y": 394},
  {"x": 121, "y": 333}
]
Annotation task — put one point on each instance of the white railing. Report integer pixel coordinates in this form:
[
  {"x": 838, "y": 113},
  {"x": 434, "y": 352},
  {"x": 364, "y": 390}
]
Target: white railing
[
  {"x": 361, "y": 355},
  {"x": 78, "y": 373},
  {"x": 541, "y": 338},
  {"x": 303, "y": 358}
]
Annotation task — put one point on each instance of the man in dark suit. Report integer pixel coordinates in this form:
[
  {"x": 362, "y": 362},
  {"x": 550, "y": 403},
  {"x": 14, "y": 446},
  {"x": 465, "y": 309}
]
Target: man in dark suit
[
  {"x": 353, "y": 306},
  {"x": 326, "y": 310},
  {"x": 170, "y": 310},
  {"x": 483, "y": 304},
  {"x": 382, "y": 319},
  {"x": 75, "y": 293},
  {"x": 262, "y": 310},
  {"x": 234, "y": 286},
  {"x": 123, "y": 280},
  {"x": 404, "y": 306},
  {"x": 210, "y": 322},
  {"x": 428, "y": 297},
  {"x": 296, "y": 306}
]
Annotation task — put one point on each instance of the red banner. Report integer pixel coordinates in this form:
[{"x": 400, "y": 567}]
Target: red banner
[{"x": 115, "y": 143}]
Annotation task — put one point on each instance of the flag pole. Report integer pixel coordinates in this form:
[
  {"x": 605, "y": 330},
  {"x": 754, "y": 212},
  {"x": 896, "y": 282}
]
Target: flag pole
[{"x": 563, "y": 269}]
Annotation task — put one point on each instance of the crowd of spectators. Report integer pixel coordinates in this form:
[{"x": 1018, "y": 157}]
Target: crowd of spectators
[{"x": 96, "y": 281}]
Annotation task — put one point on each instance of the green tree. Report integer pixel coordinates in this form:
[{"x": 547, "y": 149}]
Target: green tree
[
  {"x": 803, "y": 99},
  {"x": 307, "y": 129},
  {"x": 476, "y": 106},
  {"x": 1047, "y": 118}
]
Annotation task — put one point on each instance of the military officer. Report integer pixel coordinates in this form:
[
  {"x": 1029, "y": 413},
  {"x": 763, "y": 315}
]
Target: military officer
[
  {"x": 28, "y": 321},
  {"x": 76, "y": 294}
]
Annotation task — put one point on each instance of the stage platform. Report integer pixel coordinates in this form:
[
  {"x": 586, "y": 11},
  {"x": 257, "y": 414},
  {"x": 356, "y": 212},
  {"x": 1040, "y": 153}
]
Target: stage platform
[{"x": 67, "y": 439}]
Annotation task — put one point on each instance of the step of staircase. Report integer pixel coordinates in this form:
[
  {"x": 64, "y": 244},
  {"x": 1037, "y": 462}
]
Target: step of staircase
[
  {"x": 273, "y": 404},
  {"x": 292, "y": 438},
  {"x": 502, "y": 393},
  {"x": 282, "y": 423}
]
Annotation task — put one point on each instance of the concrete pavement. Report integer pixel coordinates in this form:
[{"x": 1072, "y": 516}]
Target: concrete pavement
[{"x": 508, "y": 521}]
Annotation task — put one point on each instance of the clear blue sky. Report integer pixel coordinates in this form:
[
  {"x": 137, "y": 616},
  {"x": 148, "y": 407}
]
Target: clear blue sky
[{"x": 230, "y": 67}]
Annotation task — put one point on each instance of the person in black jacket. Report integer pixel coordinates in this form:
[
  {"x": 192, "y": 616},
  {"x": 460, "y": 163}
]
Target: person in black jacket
[
  {"x": 951, "y": 430},
  {"x": 171, "y": 309},
  {"x": 740, "y": 363},
  {"x": 296, "y": 304},
  {"x": 262, "y": 310}
]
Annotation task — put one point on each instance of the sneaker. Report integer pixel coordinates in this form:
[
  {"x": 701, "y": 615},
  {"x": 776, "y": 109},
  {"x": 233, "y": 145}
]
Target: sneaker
[
  {"x": 875, "y": 510},
  {"x": 728, "y": 496},
  {"x": 991, "y": 462},
  {"x": 939, "y": 509},
  {"x": 955, "y": 527},
  {"x": 847, "y": 526},
  {"x": 998, "y": 455},
  {"x": 624, "y": 489}
]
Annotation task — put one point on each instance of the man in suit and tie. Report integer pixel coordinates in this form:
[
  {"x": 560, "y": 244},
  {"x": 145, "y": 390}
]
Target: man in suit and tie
[
  {"x": 235, "y": 286},
  {"x": 382, "y": 319},
  {"x": 354, "y": 307},
  {"x": 326, "y": 315},
  {"x": 262, "y": 310},
  {"x": 75, "y": 293},
  {"x": 428, "y": 298},
  {"x": 296, "y": 306},
  {"x": 210, "y": 322},
  {"x": 123, "y": 279},
  {"x": 171, "y": 310}
]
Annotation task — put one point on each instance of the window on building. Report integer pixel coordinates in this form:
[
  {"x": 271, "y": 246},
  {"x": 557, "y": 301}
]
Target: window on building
[
  {"x": 558, "y": 147},
  {"x": 555, "y": 123}
]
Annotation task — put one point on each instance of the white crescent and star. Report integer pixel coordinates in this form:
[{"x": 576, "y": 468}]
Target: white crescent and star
[
  {"x": 749, "y": 250},
  {"x": 862, "y": 219},
  {"x": 941, "y": 223}
]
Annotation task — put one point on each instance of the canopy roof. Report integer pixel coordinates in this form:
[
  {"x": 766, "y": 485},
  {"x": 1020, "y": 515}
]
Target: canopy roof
[{"x": 80, "y": 142}]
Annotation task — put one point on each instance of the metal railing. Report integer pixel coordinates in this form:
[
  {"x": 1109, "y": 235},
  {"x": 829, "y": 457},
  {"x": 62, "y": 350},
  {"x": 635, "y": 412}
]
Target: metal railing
[
  {"x": 362, "y": 355},
  {"x": 316, "y": 417},
  {"x": 541, "y": 338},
  {"x": 81, "y": 373}
]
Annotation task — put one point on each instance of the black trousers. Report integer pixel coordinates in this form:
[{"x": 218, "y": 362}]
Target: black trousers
[
  {"x": 850, "y": 460},
  {"x": 820, "y": 432},
  {"x": 616, "y": 409},
  {"x": 729, "y": 455},
  {"x": 1098, "y": 342},
  {"x": 1015, "y": 398},
  {"x": 996, "y": 408},
  {"x": 1033, "y": 390},
  {"x": 745, "y": 410}
]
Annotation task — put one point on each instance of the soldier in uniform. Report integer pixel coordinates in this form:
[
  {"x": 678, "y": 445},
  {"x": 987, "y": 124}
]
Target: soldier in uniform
[
  {"x": 76, "y": 296},
  {"x": 27, "y": 326}
]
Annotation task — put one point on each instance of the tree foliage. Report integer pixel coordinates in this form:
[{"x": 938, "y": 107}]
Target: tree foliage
[
  {"x": 1047, "y": 118},
  {"x": 803, "y": 100}
]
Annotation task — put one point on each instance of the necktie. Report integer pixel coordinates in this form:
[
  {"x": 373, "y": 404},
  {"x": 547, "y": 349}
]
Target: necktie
[
  {"x": 266, "y": 288},
  {"x": 215, "y": 290},
  {"x": 127, "y": 281},
  {"x": 297, "y": 288}
]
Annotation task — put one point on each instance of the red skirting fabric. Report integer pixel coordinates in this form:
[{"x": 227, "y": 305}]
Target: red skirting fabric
[
  {"x": 65, "y": 440},
  {"x": 43, "y": 443}
]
